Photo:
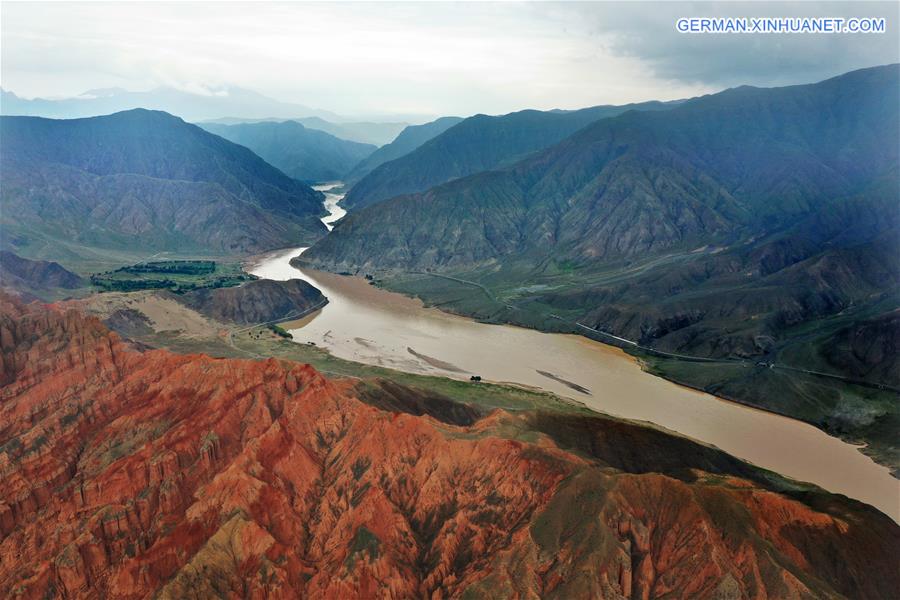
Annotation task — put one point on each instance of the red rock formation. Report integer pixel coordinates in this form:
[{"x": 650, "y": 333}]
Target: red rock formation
[{"x": 129, "y": 474}]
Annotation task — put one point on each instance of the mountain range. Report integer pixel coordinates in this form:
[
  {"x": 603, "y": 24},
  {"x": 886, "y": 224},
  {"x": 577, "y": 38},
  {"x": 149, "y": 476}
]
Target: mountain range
[
  {"x": 301, "y": 153},
  {"x": 141, "y": 182},
  {"x": 226, "y": 105},
  {"x": 475, "y": 144},
  {"x": 726, "y": 167},
  {"x": 364, "y": 132},
  {"x": 191, "y": 106},
  {"x": 744, "y": 243},
  {"x": 754, "y": 225},
  {"x": 409, "y": 139}
]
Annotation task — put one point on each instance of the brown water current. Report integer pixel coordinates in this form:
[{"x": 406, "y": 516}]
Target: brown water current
[{"x": 373, "y": 326}]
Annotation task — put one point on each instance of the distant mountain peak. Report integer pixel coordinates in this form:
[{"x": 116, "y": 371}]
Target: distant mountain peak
[
  {"x": 102, "y": 93},
  {"x": 192, "y": 103},
  {"x": 478, "y": 143},
  {"x": 144, "y": 113},
  {"x": 303, "y": 153}
]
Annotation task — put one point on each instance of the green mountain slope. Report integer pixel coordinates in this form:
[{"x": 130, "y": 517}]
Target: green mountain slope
[
  {"x": 755, "y": 227},
  {"x": 304, "y": 154},
  {"x": 143, "y": 181},
  {"x": 409, "y": 139},
  {"x": 476, "y": 144}
]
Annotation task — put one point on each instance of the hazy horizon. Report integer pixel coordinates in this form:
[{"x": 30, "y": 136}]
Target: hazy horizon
[{"x": 425, "y": 60}]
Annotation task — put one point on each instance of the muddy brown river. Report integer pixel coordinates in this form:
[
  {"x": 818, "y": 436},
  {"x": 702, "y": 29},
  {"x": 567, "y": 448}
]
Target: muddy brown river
[{"x": 365, "y": 324}]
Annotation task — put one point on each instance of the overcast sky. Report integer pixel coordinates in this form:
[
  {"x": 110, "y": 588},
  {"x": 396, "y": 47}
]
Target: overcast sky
[{"x": 423, "y": 58}]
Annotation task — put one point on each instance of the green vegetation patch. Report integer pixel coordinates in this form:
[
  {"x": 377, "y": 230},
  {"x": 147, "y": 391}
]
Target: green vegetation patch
[
  {"x": 280, "y": 331},
  {"x": 174, "y": 267},
  {"x": 178, "y": 276}
]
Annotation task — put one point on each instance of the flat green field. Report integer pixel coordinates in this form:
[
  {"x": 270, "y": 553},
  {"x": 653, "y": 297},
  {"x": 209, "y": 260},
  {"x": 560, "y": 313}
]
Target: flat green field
[{"x": 174, "y": 275}]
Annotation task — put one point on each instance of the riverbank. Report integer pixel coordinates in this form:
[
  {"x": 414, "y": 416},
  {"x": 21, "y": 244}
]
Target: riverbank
[
  {"x": 862, "y": 415},
  {"x": 390, "y": 323},
  {"x": 375, "y": 433}
]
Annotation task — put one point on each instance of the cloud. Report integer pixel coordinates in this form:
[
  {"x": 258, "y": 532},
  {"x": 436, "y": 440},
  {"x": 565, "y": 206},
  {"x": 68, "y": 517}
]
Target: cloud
[
  {"x": 646, "y": 31},
  {"x": 434, "y": 58}
]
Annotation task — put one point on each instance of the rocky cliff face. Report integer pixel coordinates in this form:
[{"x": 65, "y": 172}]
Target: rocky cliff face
[{"x": 129, "y": 474}]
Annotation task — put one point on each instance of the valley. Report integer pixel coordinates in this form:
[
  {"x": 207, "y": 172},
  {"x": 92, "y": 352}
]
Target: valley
[
  {"x": 764, "y": 254},
  {"x": 332, "y": 203},
  {"x": 477, "y": 301},
  {"x": 365, "y": 330},
  {"x": 364, "y": 324},
  {"x": 301, "y": 153}
]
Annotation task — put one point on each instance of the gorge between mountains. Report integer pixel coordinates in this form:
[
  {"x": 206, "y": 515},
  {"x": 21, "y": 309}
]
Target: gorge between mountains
[{"x": 400, "y": 333}]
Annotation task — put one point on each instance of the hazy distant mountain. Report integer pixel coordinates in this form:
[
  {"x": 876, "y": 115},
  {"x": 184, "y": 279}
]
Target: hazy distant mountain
[
  {"x": 750, "y": 223},
  {"x": 364, "y": 132},
  {"x": 378, "y": 134},
  {"x": 476, "y": 144},
  {"x": 144, "y": 180},
  {"x": 189, "y": 106},
  {"x": 409, "y": 139},
  {"x": 305, "y": 154}
]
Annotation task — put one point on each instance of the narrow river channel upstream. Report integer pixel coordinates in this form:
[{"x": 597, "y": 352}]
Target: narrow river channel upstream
[{"x": 373, "y": 326}]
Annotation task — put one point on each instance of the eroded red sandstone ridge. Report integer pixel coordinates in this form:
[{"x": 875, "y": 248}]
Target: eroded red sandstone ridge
[{"x": 138, "y": 474}]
